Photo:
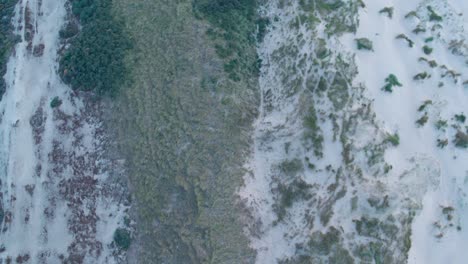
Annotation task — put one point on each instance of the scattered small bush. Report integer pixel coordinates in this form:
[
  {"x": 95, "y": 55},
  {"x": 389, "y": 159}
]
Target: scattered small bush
[
  {"x": 393, "y": 139},
  {"x": 461, "y": 139},
  {"x": 122, "y": 238},
  {"x": 391, "y": 81},
  {"x": 429, "y": 39},
  {"x": 424, "y": 105},
  {"x": 421, "y": 76},
  {"x": 56, "y": 102},
  {"x": 403, "y": 36},
  {"x": 364, "y": 43},
  {"x": 433, "y": 16},
  {"x": 427, "y": 50},
  {"x": 423, "y": 120},
  {"x": 442, "y": 143},
  {"x": 388, "y": 11},
  {"x": 431, "y": 63},
  {"x": 412, "y": 14},
  {"x": 95, "y": 59},
  {"x": 291, "y": 167},
  {"x": 460, "y": 118},
  {"x": 440, "y": 124},
  {"x": 418, "y": 30}
]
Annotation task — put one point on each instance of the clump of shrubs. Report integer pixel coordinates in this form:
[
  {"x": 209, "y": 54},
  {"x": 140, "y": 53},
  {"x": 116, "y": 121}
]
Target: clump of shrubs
[
  {"x": 423, "y": 120},
  {"x": 391, "y": 81},
  {"x": 393, "y": 139},
  {"x": 433, "y": 16},
  {"x": 95, "y": 59},
  {"x": 460, "y": 118},
  {"x": 388, "y": 10},
  {"x": 364, "y": 44},
  {"x": 424, "y": 105},
  {"x": 122, "y": 238},
  {"x": 427, "y": 50},
  {"x": 56, "y": 102},
  {"x": 403, "y": 36},
  {"x": 461, "y": 139},
  {"x": 421, "y": 76}
]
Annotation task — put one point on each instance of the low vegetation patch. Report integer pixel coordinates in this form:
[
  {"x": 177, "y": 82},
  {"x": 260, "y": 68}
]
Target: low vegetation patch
[
  {"x": 461, "y": 139},
  {"x": 461, "y": 118},
  {"x": 433, "y": 16},
  {"x": 7, "y": 38},
  {"x": 424, "y": 105},
  {"x": 408, "y": 40},
  {"x": 423, "y": 120},
  {"x": 313, "y": 132},
  {"x": 441, "y": 124},
  {"x": 421, "y": 76},
  {"x": 387, "y": 10},
  {"x": 429, "y": 39},
  {"x": 56, "y": 102},
  {"x": 427, "y": 50},
  {"x": 364, "y": 44},
  {"x": 288, "y": 194},
  {"x": 234, "y": 23},
  {"x": 419, "y": 29},
  {"x": 391, "y": 81},
  {"x": 393, "y": 139},
  {"x": 122, "y": 238},
  {"x": 442, "y": 143},
  {"x": 95, "y": 60}
]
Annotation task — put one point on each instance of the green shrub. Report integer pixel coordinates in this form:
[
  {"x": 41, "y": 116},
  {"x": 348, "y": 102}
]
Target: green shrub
[
  {"x": 364, "y": 43},
  {"x": 461, "y": 139},
  {"x": 418, "y": 30},
  {"x": 291, "y": 167},
  {"x": 391, "y": 81},
  {"x": 95, "y": 60},
  {"x": 421, "y": 76},
  {"x": 234, "y": 22},
  {"x": 424, "y": 105},
  {"x": 440, "y": 124},
  {"x": 7, "y": 38},
  {"x": 442, "y": 143},
  {"x": 433, "y": 16},
  {"x": 56, "y": 102},
  {"x": 460, "y": 118},
  {"x": 393, "y": 139},
  {"x": 262, "y": 24},
  {"x": 313, "y": 132},
  {"x": 429, "y": 39},
  {"x": 427, "y": 50},
  {"x": 403, "y": 36},
  {"x": 388, "y": 11},
  {"x": 423, "y": 120},
  {"x": 122, "y": 238}
]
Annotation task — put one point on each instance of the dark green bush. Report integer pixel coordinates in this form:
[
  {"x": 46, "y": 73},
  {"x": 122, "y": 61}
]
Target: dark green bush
[
  {"x": 421, "y": 76},
  {"x": 460, "y": 118},
  {"x": 122, "y": 238},
  {"x": 7, "y": 39},
  {"x": 388, "y": 11},
  {"x": 423, "y": 120},
  {"x": 95, "y": 60},
  {"x": 403, "y": 36},
  {"x": 433, "y": 16},
  {"x": 364, "y": 43},
  {"x": 393, "y": 139},
  {"x": 56, "y": 102},
  {"x": 461, "y": 140},
  {"x": 234, "y": 22},
  {"x": 391, "y": 81},
  {"x": 427, "y": 50}
]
